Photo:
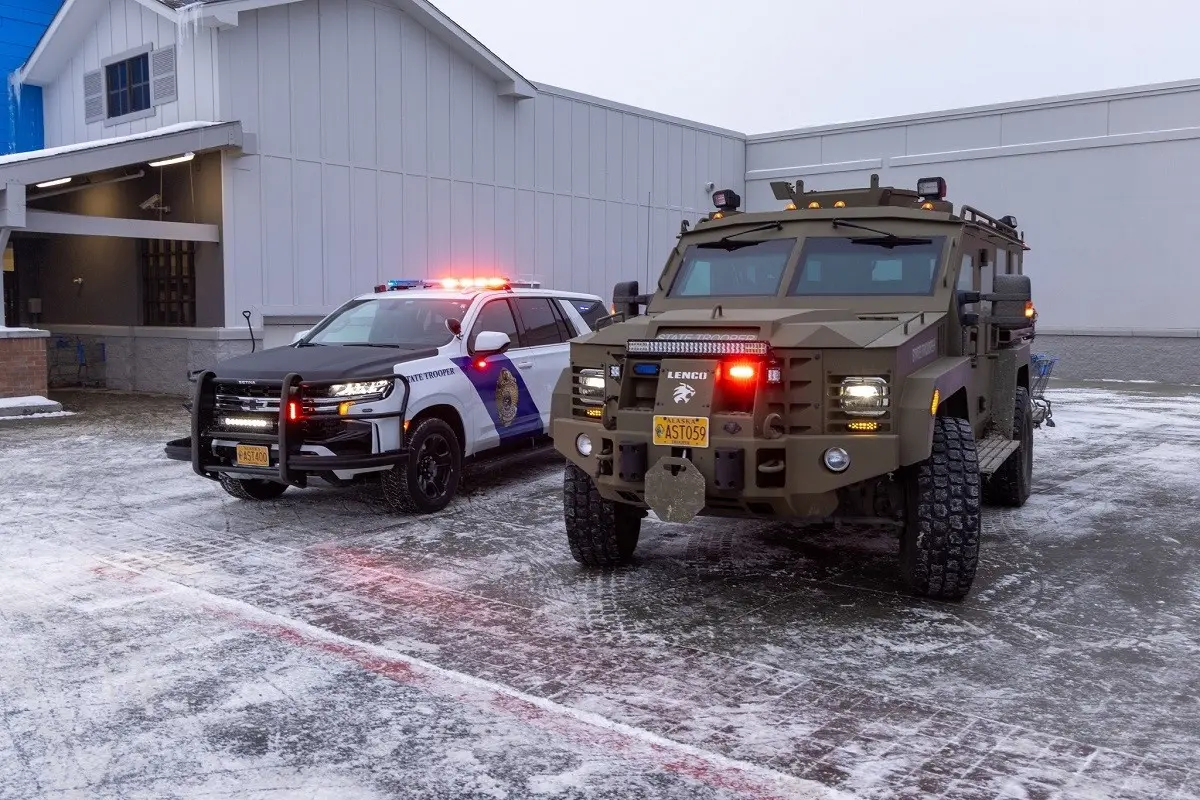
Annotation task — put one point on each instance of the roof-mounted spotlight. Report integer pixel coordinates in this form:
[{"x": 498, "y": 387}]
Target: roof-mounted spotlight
[
  {"x": 932, "y": 188},
  {"x": 726, "y": 200}
]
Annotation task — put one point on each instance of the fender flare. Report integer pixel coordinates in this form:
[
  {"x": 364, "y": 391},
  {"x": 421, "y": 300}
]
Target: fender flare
[
  {"x": 915, "y": 413},
  {"x": 416, "y": 405}
]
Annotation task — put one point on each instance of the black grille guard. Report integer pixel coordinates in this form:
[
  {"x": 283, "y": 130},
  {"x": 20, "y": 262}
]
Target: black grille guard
[{"x": 292, "y": 466}]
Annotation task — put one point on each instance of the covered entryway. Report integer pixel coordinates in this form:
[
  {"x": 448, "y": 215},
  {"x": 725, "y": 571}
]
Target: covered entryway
[{"x": 105, "y": 242}]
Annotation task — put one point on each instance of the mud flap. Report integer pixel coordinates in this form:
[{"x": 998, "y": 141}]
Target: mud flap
[{"x": 675, "y": 489}]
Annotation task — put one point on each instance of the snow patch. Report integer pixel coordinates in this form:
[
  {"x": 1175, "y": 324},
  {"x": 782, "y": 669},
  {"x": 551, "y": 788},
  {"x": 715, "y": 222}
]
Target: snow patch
[{"x": 49, "y": 152}]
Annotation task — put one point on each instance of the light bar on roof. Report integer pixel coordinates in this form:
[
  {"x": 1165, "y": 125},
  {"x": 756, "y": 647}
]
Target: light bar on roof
[{"x": 697, "y": 347}]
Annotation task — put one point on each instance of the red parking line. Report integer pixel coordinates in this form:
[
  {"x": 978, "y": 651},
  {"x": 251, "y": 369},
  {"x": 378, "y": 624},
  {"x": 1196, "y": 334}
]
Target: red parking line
[
  {"x": 669, "y": 756},
  {"x": 581, "y": 727}
]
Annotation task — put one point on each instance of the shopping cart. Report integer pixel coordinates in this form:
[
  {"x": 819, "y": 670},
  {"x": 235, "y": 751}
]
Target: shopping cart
[{"x": 1041, "y": 365}]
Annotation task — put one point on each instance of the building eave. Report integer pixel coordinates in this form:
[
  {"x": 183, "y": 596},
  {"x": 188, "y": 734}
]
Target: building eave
[
  {"x": 509, "y": 82},
  {"x": 61, "y": 39},
  {"x": 38, "y": 166}
]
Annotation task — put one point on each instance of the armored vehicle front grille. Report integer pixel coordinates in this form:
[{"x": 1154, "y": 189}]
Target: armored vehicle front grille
[
  {"x": 838, "y": 421},
  {"x": 582, "y": 404},
  {"x": 800, "y": 403}
]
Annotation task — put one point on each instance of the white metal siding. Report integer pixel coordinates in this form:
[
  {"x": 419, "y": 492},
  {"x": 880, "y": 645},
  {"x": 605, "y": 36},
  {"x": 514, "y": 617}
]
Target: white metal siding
[
  {"x": 383, "y": 154},
  {"x": 124, "y": 25},
  {"x": 1100, "y": 185}
]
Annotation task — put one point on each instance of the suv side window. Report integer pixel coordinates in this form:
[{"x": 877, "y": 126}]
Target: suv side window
[
  {"x": 495, "y": 316},
  {"x": 592, "y": 311},
  {"x": 539, "y": 321}
]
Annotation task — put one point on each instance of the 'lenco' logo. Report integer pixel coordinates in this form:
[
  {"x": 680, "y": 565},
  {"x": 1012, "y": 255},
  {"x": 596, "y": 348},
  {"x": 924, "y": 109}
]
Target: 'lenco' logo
[{"x": 686, "y": 376}]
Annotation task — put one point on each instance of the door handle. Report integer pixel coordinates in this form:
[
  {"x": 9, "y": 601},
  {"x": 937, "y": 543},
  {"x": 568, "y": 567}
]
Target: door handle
[{"x": 525, "y": 365}]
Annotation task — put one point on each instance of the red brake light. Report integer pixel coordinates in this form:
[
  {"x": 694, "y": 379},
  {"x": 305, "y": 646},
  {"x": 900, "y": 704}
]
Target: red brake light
[
  {"x": 293, "y": 410},
  {"x": 742, "y": 372}
]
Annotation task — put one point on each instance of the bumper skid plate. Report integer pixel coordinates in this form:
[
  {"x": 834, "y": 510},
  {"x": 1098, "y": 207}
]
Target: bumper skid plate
[{"x": 675, "y": 489}]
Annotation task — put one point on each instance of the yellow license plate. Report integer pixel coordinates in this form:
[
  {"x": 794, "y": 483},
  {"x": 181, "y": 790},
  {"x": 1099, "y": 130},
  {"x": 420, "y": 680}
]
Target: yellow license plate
[
  {"x": 249, "y": 455},
  {"x": 680, "y": 431}
]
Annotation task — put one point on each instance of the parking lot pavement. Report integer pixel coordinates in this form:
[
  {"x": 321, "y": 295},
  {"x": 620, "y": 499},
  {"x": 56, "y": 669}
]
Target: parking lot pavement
[{"x": 162, "y": 639}]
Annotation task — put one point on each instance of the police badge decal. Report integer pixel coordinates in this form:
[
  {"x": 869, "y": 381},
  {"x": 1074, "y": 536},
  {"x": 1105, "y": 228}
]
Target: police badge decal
[{"x": 507, "y": 395}]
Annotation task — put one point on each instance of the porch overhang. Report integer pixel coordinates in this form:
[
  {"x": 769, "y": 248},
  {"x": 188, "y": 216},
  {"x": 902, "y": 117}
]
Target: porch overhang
[
  {"x": 21, "y": 172},
  {"x": 40, "y": 166}
]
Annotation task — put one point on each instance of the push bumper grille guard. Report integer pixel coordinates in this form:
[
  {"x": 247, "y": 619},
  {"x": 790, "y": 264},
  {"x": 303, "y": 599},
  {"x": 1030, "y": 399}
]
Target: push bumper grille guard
[{"x": 292, "y": 465}]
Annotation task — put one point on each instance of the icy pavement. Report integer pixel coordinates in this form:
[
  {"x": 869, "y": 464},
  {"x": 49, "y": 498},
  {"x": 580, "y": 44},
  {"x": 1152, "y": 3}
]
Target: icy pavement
[{"x": 161, "y": 639}]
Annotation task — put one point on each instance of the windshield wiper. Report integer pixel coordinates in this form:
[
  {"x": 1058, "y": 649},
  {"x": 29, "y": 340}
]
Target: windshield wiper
[
  {"x": 883, "y": 239},
  {"x": 368, "y": 344},
  {"x": 724, "y": 244},
  {"x": 310, "y": 344}
]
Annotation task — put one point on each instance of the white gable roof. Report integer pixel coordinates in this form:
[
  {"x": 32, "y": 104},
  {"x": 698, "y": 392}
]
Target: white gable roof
[{"x": 76, "y": 18}]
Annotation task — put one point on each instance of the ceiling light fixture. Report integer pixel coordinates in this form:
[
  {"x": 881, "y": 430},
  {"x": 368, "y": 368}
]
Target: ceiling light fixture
[
  {"x": 55, "y": 182},
  {"x": 176, "y": 160}
]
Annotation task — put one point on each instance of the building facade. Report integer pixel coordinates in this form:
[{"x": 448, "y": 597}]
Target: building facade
[
  {"x": 1100, "y": 185},
  {"x": 218, "y": 171}
]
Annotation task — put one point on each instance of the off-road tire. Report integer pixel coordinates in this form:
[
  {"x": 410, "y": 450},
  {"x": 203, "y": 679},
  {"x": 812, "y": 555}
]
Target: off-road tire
[
  {"x": 405, "y": 485},
  {"x": 252, "y": 488},
  {"x": 1012, "y": 483},
  {"x": 939, "y": 549},
  {"x": 601, "y": 533}
]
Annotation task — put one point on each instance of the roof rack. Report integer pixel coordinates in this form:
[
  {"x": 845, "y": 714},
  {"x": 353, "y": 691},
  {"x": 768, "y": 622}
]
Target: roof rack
[{"x": 1005, "y": 226}]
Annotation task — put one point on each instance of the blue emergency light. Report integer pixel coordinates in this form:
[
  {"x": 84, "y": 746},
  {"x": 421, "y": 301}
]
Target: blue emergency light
[{"x": 396, "y": 284}]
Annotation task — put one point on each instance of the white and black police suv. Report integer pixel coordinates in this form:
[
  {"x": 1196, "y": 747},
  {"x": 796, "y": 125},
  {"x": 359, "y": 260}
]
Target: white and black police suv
[{"x": 403, "y": 384}]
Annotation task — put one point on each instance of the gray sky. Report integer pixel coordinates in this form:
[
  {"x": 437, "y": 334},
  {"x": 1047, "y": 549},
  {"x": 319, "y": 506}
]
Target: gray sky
[{"x": 762, "y": 65}]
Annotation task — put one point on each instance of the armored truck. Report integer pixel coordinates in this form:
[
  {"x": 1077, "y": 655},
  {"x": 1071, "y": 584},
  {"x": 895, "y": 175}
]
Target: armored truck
[{"x": 859, "y": 355}]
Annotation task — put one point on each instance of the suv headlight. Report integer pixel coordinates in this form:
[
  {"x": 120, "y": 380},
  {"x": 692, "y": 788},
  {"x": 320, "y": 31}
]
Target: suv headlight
[
  {"x": 590, "y": 386},
  {"x": 363, "y": 390},
  {"x": 864, "y": 397}
]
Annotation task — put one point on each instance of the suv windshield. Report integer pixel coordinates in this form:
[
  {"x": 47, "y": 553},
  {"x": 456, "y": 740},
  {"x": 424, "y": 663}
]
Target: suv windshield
[
  {"x": 754, "y": 269},
  {"x": 833, "y": 265},
  {"x": 411, "y": 322}
]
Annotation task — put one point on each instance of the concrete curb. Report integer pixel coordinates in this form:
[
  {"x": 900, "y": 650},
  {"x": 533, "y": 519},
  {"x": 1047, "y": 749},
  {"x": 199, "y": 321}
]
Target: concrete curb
[{"x": 24, "y": 406}]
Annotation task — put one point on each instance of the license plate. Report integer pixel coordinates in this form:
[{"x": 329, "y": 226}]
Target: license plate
[
  {"x": 680, "y": 431},
  {"x": 249, "y": 455}
]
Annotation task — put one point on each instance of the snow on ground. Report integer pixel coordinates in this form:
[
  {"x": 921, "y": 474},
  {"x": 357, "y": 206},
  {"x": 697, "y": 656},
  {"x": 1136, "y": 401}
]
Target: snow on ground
[{"x": 165, "y": 640}]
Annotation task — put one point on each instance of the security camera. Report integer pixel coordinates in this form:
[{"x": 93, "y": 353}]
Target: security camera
[{"x": 154, "y": 203}]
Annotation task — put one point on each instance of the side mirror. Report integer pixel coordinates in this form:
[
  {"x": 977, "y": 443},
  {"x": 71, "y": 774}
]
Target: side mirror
[
  {"x": 300, "y": 335},
  {"x": 626, "y": 299},
  {"x": 454, "y": 326},
  {"x": 491, "y": 343}
]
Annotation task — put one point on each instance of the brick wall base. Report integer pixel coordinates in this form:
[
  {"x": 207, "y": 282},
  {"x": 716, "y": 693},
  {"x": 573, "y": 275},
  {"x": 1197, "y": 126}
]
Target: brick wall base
[{"x": 23, "y": 362}]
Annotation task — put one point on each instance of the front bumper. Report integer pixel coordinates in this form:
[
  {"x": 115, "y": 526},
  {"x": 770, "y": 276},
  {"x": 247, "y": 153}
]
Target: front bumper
[
  {"x": 743, "y": 475},
  {"x": 212, "y": 452}
]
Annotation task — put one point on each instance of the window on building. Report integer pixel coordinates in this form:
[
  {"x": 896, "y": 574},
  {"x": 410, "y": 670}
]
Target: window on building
[
  {"x": 128, "y": 85},
  {"x": 168, "y": 283}
]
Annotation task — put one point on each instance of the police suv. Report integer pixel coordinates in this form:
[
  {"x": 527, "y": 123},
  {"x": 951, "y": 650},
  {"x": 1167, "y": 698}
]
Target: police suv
[{"x": 403, "y": 383}]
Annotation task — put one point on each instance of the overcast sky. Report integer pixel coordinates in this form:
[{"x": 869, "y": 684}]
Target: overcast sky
[{"x": 763, "y": 65}]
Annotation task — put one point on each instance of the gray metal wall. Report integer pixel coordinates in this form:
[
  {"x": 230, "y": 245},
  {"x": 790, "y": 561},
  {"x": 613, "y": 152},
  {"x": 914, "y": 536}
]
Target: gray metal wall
[
  {"x": 382, "y": 153},
  {"x": 1104, "y": 186}
]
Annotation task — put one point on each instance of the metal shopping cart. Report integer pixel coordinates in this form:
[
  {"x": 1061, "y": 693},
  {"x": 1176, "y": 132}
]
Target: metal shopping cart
[{"x": 1041, "y": 365}]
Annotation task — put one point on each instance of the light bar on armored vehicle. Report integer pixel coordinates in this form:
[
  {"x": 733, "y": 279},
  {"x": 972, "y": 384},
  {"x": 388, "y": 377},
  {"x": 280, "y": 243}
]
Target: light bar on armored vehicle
[
  {"x": 930, "y": 195},
  {"x": 697, "y": 347}
]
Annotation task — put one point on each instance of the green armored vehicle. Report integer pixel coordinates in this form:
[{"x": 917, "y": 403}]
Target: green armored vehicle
[{"x": 861, "y": 354}]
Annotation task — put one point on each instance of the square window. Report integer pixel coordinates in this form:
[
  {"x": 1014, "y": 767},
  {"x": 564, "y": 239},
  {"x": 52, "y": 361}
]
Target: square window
[{"x": 128, "y": 86}]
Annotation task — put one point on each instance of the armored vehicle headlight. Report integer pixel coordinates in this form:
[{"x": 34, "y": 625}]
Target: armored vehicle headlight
[
  {"x": 865, "y": 397},
  {"x": 360, "y": 389},
  {"x": 836, "y": 459},
  {"x": 583, "y": 444},
  {"x": 591, "y": 386}
]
